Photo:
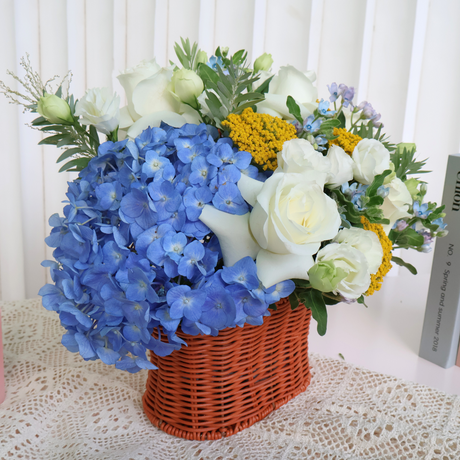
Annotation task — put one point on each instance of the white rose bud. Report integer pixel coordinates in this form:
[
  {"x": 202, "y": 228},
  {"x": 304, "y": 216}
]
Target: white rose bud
[
  {"x": 341, "y": 166},
  {"x": 370, "y": 158},
  {"x": 101, "y": 108},
  {"x": 365, "y": 241},
  {"x": 54, "y": 109},
  {"x": 187, "y": 85},
  {"x": 263, "y": 62},
  {"x": 201, "y": 57},
  {"x": 347, "y": 261},
  {"x": 298, "y": 156}
]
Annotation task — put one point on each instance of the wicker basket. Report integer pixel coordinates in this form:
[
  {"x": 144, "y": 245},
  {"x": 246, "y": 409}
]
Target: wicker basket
[{"x": 217, "y": 386}]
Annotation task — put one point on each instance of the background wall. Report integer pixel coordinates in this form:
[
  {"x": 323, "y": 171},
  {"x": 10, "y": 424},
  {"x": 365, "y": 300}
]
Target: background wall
[{"x": 402, "y": 56}]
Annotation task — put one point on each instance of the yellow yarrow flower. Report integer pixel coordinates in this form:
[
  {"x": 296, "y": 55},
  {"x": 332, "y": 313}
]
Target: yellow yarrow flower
[
  {"x": 346, "y": 140},
  {"x": 260, "y": 134},
  {"x": 385, "y": 266}
]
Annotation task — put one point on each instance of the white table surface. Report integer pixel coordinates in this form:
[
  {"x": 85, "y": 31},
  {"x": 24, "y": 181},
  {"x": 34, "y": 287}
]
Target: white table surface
[{"x": 386, "y": 336}]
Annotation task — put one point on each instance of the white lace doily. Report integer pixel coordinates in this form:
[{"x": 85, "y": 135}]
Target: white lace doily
[{"x": 60, "y": 407}]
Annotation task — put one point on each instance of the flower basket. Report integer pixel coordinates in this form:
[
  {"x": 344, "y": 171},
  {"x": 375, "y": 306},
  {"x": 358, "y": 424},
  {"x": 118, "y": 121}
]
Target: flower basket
[{"x": 218, "y": 386}]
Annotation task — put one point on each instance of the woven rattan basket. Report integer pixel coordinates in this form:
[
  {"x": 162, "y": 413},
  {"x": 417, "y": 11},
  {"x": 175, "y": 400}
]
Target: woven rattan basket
[{"x": 218, "y": 386}]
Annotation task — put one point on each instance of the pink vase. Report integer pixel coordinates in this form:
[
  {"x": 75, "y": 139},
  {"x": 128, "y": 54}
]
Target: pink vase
[{"x": 2, "y": 371}]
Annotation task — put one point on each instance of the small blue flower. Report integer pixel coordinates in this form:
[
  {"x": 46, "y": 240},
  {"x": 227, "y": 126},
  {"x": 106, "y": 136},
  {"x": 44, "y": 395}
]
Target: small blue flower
[
  {"x": 243, "y": 272},
  {"x": 421, "y": 211},
  {"x": 214, "y": 62},
  {"x": 323, "y": 109},
  {"x": 229, "y": 199},
  {"x": 186, "y": 302},
  {"x": 335, "y": 91},
  {"x": 311, "y": 125},
  {"x": 191, "y": 262},
  {"x": 219, "y": 309}
]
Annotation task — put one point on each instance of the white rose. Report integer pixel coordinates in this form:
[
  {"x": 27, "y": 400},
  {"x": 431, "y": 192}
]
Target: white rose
[
  {"x": 365, "y": 241},
  {"x": 370, "y": 158},
  {"x": 396, "y": 204},
  {"x": 353, "y": 263},
  {"x": 290, "y": 82},
  {"x": 100, "y": 108},
  {"x": 187, "y": 85},
  {"x": 293, "y": 215},
  {"x": 341, "y": 166},
  {"x": 298, "y": 155},
  {"x": 148, "y": 90}
]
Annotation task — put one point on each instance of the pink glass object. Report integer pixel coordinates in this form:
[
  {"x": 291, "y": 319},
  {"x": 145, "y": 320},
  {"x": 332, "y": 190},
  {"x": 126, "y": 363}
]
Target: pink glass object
[{"x": 2, "y": 370}]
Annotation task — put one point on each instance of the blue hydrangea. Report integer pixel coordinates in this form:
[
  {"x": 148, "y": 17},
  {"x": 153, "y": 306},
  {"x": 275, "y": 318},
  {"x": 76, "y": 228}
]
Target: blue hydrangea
[{"x": 132, "y": 256}]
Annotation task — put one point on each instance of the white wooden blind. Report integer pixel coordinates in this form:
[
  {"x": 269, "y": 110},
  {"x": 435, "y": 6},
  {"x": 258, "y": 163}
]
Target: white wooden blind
[{"x": 400, "y": 56}]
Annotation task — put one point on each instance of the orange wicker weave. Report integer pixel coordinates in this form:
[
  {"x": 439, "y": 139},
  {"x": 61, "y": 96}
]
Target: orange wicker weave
[{"x": 217, "y": 386}]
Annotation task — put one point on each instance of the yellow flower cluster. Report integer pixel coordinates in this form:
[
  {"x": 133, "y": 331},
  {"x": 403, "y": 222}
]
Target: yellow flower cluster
[
  {"x": 385, "y": 266},
  {"x": 346, "y": 140},
  {"x": 260, "y": 134}
]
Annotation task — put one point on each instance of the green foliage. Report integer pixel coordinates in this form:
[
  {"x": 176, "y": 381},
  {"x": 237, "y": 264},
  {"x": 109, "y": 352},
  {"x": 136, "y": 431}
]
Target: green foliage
[
  {"x": 371, "y": 202},
  {"x": 405, "y": 164},
  {"x": 366, "y": 131},
  {"x": 327, "y": 128},
  {"x": 401, "y": 262},
  {"x": 224, "y": 92},
  {"x": 187, "y": 54},
  {"x": 294, "y": 109}
]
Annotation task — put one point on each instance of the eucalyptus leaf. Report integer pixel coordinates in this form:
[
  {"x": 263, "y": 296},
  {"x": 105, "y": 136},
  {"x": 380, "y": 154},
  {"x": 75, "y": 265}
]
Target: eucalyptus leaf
[{"x": 402, "y": 263}]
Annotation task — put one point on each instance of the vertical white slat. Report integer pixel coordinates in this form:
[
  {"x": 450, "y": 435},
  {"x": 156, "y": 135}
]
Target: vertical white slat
[
  {"x": 12, "y": 282},
  {"x": 314, "y": 38},
  {"x": 185, "y": 24},
  {"x": 390, "y": 63},
  {"x": 120, "y": 38},
  {"x": 76, "y": 42},
  {"x": 234, "y": 23},
  {"x": 418, "y": 46},
  {"x": 341, "y": 43},
  {"x": 26, "y": 15},
  {"x": 258, "y": 34},
  {"x": 160, "y": 38},
  {"x": 53, "y": 61},
  {"x": 206, "y": 29},
  {"x": 285, "y": 20},
  {"x": 366, "y": 50},
  {"x": 99, "y": 43},
  {"x": 140, "y": 31}
]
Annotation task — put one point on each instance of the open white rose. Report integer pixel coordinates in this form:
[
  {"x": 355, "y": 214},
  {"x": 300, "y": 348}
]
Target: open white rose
[
  {"x": 298, "y": 156},
  {"x": 370, "y": 158},
  {"x": 354, "y": 265},
  {"x": 365, "y": 241},
  {"x": 293, "y": 214},
  {"x": 290, "y": 82},
  {"x": 101, "y": 108},
  {"x": 396, "y": 204},
  {"x": 341, "y": 166}
]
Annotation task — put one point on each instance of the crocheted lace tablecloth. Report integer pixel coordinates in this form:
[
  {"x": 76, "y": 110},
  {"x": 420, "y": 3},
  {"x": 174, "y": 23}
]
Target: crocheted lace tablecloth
[{"x": 60, "y": 407}]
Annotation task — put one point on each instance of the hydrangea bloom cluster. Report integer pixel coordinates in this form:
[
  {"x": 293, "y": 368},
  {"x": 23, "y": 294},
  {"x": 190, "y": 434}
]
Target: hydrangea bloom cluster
[{"x": 132, "y": 255}]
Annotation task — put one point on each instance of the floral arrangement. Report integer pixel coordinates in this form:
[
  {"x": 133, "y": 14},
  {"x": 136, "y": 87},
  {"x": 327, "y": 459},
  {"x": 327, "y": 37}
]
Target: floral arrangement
[{"x": 220, "y": 189}]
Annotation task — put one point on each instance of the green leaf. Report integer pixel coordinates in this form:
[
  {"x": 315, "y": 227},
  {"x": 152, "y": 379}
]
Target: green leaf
[
  {"x": 401, "y": 262},
  {"x": 40, "y": 121},
  {"x": 273, "y": 307},
  {"x": 294, "y": 301},
  {"x": 315, "y": 302},
  {"x": 66, "y": 140},
  {"x": 361, "y": 301},
  {"x": 58, "y": 93},
  {"x": 254, "y": 97},
  {"x": 239, "y": 56},
  {"x": 78, "y": 163},
  {"x": 408, "y": 237},
  {"x": 342, "y": 120},
  {"x": 68, "y": 153},
  {"x": 94, "y": 137},
  {"x": 377, "y": 182},
  {"x": 51, "y": 140},
  {"x": 294, "y": 109},
  {"x": 301, "y": 283},
  {"x": 263, "y": 88},
  {"x": 341, "y": 356}
]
